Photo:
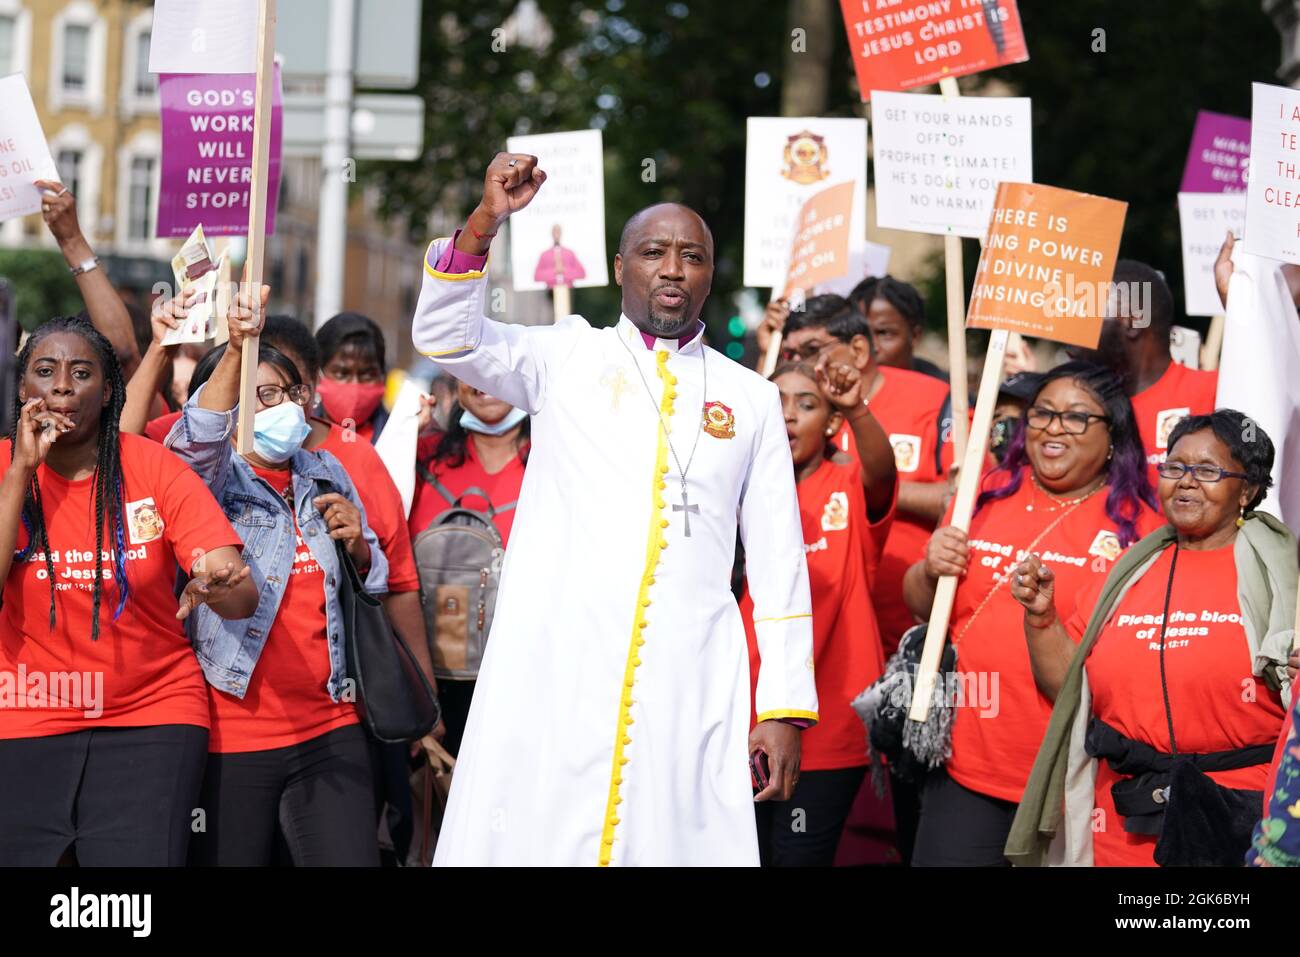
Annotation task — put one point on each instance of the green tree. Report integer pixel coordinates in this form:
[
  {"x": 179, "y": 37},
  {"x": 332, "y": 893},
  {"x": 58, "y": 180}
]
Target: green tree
[{"x": 41, "y": 284}]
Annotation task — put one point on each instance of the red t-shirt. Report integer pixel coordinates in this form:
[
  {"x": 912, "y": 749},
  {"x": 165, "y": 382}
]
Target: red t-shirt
[
  {"x": 501, "y": 487},
  {"x": 847, "y": 654},
  {"x": 1179, "y": 392},
  {"x": 907, "y": 407},
  {"x": 1216, "y": 703},
  {"x": 287, "y": 701},
  {"x": 147, "y": 672},
  {"x": 385, "y": 513},
  {"x": 158, "y": 428},
  {"x": 996, "y": 733}
]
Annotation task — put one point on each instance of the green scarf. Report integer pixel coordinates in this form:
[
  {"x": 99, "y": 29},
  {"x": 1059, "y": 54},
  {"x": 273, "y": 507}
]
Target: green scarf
[{"x": 1265, "y": 555}]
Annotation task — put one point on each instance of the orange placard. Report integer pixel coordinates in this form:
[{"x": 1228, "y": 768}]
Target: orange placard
[
  {"x": 1046, "y": 267},
  {"x": 902, "y": 44},
  {"x": 821, "y": 241}
]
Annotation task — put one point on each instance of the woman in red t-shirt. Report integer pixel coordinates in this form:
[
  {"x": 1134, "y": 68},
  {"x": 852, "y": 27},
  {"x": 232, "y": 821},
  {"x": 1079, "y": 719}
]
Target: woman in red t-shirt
[
  {"x": 846, "y": 506},
  {"x": 103, "y": 712},
  {"x": 1173, "y": 668},
  {"x": 1073, "y": 488},
  {"x": 482, "y": 453}
]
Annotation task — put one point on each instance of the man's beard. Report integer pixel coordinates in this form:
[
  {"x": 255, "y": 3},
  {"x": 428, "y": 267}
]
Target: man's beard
[{"x": 668, "y": 327}]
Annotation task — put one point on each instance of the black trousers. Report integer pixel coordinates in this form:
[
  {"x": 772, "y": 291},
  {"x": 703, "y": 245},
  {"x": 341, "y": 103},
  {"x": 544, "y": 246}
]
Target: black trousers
[
  {"x": 320, "y": 792},
  {"x": 117, "y": 797},
  {"x": 960, "y": 827},
  {"x": 455, "y": 697},
  {"x": 805, "y": 830}
]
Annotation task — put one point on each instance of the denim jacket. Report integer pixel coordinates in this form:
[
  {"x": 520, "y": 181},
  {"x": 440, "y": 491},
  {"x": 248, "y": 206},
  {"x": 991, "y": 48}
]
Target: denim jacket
[{"x": 228, "y": 650}]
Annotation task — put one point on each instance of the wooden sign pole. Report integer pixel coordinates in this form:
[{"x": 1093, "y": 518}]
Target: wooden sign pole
[
  {"x": 772, "y": 355},
  {"x": 225, "y": 293},
  {"x": 562, "y": 302},
  {"x": 955, "y": 293},
  {"x": 257, "y": 213},
  {"x": 1213, "y": 345},
  {"x": 963, "y": 507}
]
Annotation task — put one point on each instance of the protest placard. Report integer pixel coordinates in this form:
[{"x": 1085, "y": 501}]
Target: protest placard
[
  {"x": 871, "y": 260},
  {"x": 788, "y": 160},
  {"x": 204, "y": 36},
  {"x": 902, "y": 44},
  {"x": 820, "y": 249},
  {"x": 207, "y": 154},
  {"x": 1046, "y": 266},
  {"x": 938, "y": 160},
  {"x": 1273, "y": 185},
  {"x": 1219, "y": 155},
  {"x": 24, "y": 154},
  {"x": 1205, "y": 219},
  {"x": 558, "y": 240}
]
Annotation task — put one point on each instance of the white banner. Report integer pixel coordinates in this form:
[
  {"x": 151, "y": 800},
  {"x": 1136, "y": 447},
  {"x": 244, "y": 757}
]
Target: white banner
[
  {"x": 938, "y": 159},
  {"x": 1273, "y": 188},
  {"x": 24, "y": 154},
  {"x": 788, "y": 160},
  {"x": 204, "y": 36},
  {"x": 1205, "y": 219},
  {"x": 559, "y": 238}
]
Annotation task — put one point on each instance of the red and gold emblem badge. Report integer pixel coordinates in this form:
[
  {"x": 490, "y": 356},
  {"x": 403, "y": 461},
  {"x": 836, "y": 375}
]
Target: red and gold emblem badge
[
  {"x": 719, "y": 421},
  {"x": 805, "y": 158}
]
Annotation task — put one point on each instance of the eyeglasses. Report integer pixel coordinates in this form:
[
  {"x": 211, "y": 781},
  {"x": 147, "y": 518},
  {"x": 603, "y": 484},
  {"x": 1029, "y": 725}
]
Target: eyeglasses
[
  {"x": 1202, "y": 473},
  {"x": 273, "y": 395},
  {"x": 808, "y": 352},
  {"x": 1073, "y": 423}
]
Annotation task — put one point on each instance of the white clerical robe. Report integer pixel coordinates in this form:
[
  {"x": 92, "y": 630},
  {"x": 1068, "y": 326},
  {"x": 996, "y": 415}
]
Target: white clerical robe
[{"x": 611, "y": 716}]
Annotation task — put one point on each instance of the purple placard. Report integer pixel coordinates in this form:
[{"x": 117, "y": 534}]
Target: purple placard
[
  {"x": 207, "y": 153},
  {"x": 1216, "y": 163}
]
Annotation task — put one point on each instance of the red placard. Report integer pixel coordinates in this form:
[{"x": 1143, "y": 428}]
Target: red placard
[{"x": 902, "y": 44}]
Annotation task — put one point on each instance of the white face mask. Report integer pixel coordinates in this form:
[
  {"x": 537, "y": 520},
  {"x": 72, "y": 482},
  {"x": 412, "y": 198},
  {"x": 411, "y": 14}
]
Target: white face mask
[
  {"x": 278, "y": 432},
  {"x": 472, "y": 423}
]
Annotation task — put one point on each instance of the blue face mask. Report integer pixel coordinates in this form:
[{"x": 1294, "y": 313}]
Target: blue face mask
[
  {"x": 472, "y": 423},
  {"x": 279, "y": 431}
]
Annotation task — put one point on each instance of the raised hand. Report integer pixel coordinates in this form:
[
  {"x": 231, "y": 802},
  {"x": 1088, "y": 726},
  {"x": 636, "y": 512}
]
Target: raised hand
[
  {"x": 59, "y": 210},
  {"x": 774, "y": 316},
  {"x": 841, "y": 384},
  {"x": 38, "y": 429},
  {"x": 511, "y": 182},
  {"x": 169, "y": 314},
  {"x": 244, "y": 319},
  {"x": 1223, "y": 268},
  {"x": 1033, "y": 584},
  {"x": 206, "y": 587}
]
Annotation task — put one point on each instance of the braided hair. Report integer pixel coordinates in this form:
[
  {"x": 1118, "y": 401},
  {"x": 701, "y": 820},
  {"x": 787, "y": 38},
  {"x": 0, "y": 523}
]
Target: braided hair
[{"x": 108, "y": 468}]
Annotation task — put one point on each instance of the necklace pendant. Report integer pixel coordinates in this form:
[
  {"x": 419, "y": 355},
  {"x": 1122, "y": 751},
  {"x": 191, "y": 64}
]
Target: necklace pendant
[{"x": 1029, "y": 507}]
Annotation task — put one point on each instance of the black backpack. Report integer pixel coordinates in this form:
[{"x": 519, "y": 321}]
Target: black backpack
[{"x": 459, "y": 562}]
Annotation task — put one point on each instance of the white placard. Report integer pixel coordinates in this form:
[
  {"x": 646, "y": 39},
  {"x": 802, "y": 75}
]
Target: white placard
[
  {"x": 788, "y": 160},
  {"x": 1273, "y": 187},
  {"x": 871, "y": 260},
  {"x": 571, "y": 205},
  {"x": 204, "y": 36},
  {"x": 939, "y": 159},
  {"x": 1205, "y": 219},
  {"x": 24, "y": 154}
]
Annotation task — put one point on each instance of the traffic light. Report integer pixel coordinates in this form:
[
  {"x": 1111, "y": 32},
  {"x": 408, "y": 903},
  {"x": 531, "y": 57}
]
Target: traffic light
[{"x": 735, "y": 348}]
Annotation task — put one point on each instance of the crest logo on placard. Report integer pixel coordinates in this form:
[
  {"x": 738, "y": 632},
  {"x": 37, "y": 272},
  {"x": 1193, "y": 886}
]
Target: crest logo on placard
[
  {"x": 805, "y": 158},
  {"x": 1166, "y": 419}
]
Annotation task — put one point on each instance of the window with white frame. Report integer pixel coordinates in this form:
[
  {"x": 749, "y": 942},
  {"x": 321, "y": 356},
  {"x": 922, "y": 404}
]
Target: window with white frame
[
  {"x": 146, "y": 83},
  {"x": 8, "y": 40},
  {"x": 75, "y": 75},
  {"x": 78, "y": 33},
  {"x": 140, "y": 199}
]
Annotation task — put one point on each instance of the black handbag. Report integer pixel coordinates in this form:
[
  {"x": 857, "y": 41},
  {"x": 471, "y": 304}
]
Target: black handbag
[{"x": 394, "y": 698}]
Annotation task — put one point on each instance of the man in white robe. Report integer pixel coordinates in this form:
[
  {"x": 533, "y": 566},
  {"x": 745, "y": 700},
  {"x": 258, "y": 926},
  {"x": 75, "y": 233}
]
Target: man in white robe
[{"x": 609, "y": 722}]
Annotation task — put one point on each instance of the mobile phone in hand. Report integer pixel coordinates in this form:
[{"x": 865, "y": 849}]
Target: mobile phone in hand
[{"x": 759, "y": 771}]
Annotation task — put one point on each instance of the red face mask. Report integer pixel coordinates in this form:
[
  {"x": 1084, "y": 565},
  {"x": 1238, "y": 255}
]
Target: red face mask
[{"x": 349, "y": 400}]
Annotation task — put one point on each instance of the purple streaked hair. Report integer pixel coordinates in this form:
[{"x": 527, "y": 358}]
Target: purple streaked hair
[{"x": 1127, "y": 468}]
